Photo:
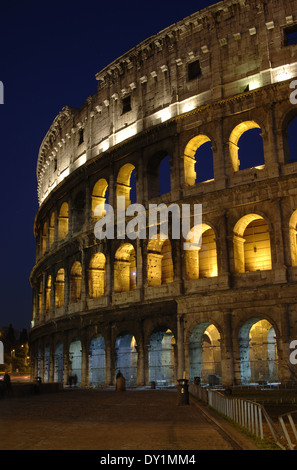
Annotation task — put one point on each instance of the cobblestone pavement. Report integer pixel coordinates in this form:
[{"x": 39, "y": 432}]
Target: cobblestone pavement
[{"x": 79, "y": 419}]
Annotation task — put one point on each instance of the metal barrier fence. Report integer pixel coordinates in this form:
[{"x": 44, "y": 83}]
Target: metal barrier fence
[
  {"x": 248, "y": 414},
  {"x": 289, "y": 428}
]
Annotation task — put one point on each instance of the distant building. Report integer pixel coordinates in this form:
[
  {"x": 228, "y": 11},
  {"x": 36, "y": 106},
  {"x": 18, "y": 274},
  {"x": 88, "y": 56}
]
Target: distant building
[{"x": 186, "y": 99}]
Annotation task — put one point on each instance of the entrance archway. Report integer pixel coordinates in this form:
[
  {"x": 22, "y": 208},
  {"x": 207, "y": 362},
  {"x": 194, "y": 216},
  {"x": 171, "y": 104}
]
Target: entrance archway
[
  {"x": 58, "y": 363},
  {"x": 161, "y": 357},
  {"x": 97, "y": 362},
  {"x": 258, "y": 352},
  {"x": 75, "y": 360},
  {"x": 126, "y": 357},
  {"x": 205, "y": 353}
]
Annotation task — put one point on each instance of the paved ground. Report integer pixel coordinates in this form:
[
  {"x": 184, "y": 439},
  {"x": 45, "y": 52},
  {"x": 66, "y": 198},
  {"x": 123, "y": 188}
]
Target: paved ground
[{"x": 108, "y": 420}]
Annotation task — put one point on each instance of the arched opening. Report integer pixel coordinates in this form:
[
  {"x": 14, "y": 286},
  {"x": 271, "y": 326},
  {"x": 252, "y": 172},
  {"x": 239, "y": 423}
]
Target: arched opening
[
  {"x": 290, "y": 139},
  {"x": 52, "y": 229},
  {"x": 158, "y": 175},
  {"x": 75, "y": 360},
  {"x": 100, "y": 196},
  {"x": 60, "y": 288},
  {"x": 205, "y": 353},
  {"x": 198, "y": 160},
  {"x": 78, "y": 213},
  {"x": 126, "y": 184},
  {"x": 39, "y": 298},
  {"x": 159, "y": 262},
  {"x": 162, "y": 357},
  {"x": 125, "y": 273},
  {"x": 97, "y": 361},
  {"x": 46, "y": 363},
  {"x": 246, "y": 146},
  {"x": 63, "y": 221},
  {"x": 252, "y": 251},
  {"x": 203, "y": 261},
  {"x": 97, "y": 276},
  {"x": 58, "y": 363},
  {"x": 293, "y": 237},
  {"x": 127, "y": 357},
  {"x": 48, "y": 291},
  {"x": 258, "y": 352},
  {"x": 44, "y": 238},
  {"x": 75, "y": 282}
]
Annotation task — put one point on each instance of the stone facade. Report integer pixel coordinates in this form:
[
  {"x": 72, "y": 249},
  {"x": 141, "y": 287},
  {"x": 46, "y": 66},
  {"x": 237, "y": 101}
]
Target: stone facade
[{"x": 149, "y": 307}]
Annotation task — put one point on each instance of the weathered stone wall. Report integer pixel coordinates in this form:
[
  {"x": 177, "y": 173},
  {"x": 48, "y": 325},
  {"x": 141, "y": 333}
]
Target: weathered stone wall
[{"x": 243, "y": 84}]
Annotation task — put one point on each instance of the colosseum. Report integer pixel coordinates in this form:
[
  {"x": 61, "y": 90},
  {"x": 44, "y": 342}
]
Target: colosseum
[{"x": 199, "y": 114}]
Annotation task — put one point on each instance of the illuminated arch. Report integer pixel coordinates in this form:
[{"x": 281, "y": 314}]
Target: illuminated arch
[
  {"x": 192, "y": 161},
  {"x": 125, "y": 268},
  {"x": 203, "y": 261},
  {"x": 48, "y": 291},
  {"x": 205, "y": 352},
  {"x": 63, "y": 221},
  {"x": 234, "y": 148},
  {"x": 159, "y": 262},
  {"x": 251, "y": 241},
  {"x": 99, "y": 195},
  {"x": 60, "y": 288},
  {"x": 75, "y": 282},
  {"x": 123, "y": 185},
  {"x": 258, "y": 351},
  {"x": 97, "y": 276}
]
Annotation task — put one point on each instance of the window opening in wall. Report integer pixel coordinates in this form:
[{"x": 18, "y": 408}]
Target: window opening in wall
[
  {"x": 251, "y": 151},
  {"x": 292, "y": 141},
  {"x": 205, "y": 354},
  {"x": 126, "y": 103},
  {"x": 164, "y": 176},
  {"x": 133, "y": 187},
  {"x": 204, "y": 163},
  {"x": 194, "y": 70},
  {"x": 80, "y": 136},
  {"x": 159, "y": 177},
  {"x": 290, "y": 35}
]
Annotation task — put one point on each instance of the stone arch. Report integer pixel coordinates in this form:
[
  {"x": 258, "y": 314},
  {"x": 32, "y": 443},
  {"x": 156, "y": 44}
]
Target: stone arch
[
  {"x": 48, "y": 290},
  {"x": 97, "y": 275},
  {"x": 161, "y": 350},
  {"x": 60, "y": 288},
  {"x": 203, "y": 261},
  {"x": 75, "y": 356},
  {"x": 258, "y": 351},
  {"x": 63, "y": 221},
  {"x": 289, "y": 136},
  {"x": 52, "y": 229},
  {"x": 198, "y": 160},
  {"x": 205, "y": 353},
  {"x": 159, "y": 262},
  {"x": 99, "y": 196},
  {"x": 39, "y": 297},
  {"x": 293, "y": 237},
  {"x": 58, "y": 362},
  {"x": 125, "y": 184},
  {"x": 158, "y": 174},
  {"x": 126, "y": 357},
  {"x": 75, "y": 281},
  {"x": 251, "y": 241},
  {"x": 125, "y": 270},
  {"x": 238, "y": 137},
  {"x": 44, "y": 238},
  {"x": 97, "y": 361}
]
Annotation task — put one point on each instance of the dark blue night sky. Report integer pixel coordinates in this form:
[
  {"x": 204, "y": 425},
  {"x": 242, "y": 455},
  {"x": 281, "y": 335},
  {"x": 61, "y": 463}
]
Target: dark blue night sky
[{"x": 50, "y": 53}]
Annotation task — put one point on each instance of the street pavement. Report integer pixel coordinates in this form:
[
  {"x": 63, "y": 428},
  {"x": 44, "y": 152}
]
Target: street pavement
[{"x": 97, "y": 419}]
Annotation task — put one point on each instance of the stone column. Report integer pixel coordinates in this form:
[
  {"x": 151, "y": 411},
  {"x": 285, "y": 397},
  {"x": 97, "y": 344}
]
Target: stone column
[
  {"x": 180, "y": 347},
  {"x": 227, "y": 355},
  {"x": 84, "y": 362}
]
